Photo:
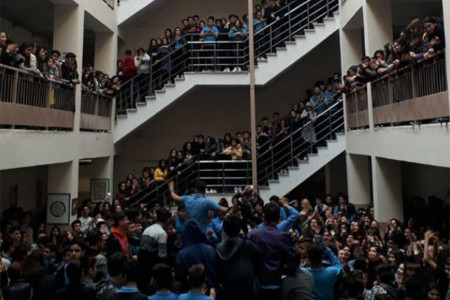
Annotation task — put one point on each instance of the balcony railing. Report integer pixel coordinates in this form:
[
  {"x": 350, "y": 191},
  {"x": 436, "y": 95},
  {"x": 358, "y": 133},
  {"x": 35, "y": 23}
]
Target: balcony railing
[
  {"x": 95, "y": 112},
  {"x": 226, "y": 175},
  {"x": 415, "y": 93},
  {"x": 27, "y": 100},
  {"x": 357, "y": 109},
  {"x": 194, "y": 55}
]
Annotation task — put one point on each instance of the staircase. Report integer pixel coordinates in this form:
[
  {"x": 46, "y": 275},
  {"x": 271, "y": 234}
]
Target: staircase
[
  {"x": 280, "y": 167},
  {"x": 299, "y": 32}
]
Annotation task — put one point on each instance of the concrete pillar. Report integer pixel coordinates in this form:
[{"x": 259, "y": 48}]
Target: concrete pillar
[
  {"x": 68, "y": 34},
  {"x": 358, "y": 179},
  {"x": 387, "y": 189},
  {"x": 103, "y": 168},
  {"x": 63, "y": 178},
  {"x": 351, "y": 47},
  {"x": 377, "y": 17},
  {"x": 336, "y": 176},
  {"x": 105, "y": 52},
  {"x": 446, "y": 11}
]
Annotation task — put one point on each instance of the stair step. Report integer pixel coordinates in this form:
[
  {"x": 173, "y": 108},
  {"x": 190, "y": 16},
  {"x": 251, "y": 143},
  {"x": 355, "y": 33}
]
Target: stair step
[
  {"x": 322, "y": 148},
  {"x": 261, "y": 60},
  {"x": 290, "y": 42},
  {"x": 170, "y": 85},
  {"x": 271, "y": 54},
  {"x": 336, "y": 13},
  {"x": 313, "y": 154},
  {"x": 329, "y": 19},
  {"x": 141, "y": 103},
  {"x": 131, "y": 110},
  {"x": 300, "y": 36},
  {"x": 293, "y": 168},
  {"x": 340, "y": 133},
  {"x": 152, "y": 97},
  {"x": 274, "y": 181},
  {"x": 180, "y": 79},
  {"x": 122, "y": 116},
  {"x": 331, "y": 141},
  {"x": 283, "y": 175},
  {"x": 319, "y": 24},
  {"x": 281, "y": 49},
  {"x": 263, "y": 187},
  {"x": 310, "y": 30},
  {"x": 160, "y": 91}
]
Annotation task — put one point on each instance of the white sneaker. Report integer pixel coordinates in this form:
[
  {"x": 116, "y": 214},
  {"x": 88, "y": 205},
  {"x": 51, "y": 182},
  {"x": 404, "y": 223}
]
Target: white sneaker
[
  {"x": 239, "y": 69},
  {"x": 234, "y": 70},
  {"x": 226, "y": 70}
]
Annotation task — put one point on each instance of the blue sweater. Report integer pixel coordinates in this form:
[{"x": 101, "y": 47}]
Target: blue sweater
[{"x": 325, "y": 278}]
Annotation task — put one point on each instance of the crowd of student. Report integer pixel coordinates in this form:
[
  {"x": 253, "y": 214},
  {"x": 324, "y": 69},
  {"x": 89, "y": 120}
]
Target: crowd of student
[
  {"x": 238, "y": 147},
  {"x": 50, "y": 65},
  {"x": 421, "y": 39},
  {"x": 290, "y": 250}
]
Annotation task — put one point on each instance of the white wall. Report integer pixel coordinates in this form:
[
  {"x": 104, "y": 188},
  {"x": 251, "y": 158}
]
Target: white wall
[
  {"x": 26, "y": 180},
  {"x": 20, "y": 35},
  {"x": 427, "y": 144},
  {"x": 138, "y": 30}
]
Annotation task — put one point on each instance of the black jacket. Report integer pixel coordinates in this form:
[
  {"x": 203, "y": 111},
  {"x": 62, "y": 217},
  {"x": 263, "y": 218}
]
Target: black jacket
[{"x": 237, "y": 262}]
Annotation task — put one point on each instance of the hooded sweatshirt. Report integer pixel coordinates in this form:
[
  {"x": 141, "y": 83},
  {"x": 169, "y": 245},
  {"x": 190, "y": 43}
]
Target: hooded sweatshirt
[
  {"x": 237, "y": 263},
  {"x": 196, "y": 251}
]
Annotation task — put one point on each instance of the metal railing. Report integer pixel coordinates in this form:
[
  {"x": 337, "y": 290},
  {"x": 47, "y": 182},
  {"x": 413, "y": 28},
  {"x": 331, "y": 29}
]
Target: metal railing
[
  {"x": 413, "y": 93},
  {"x": 184, "y": 178},
  {"x": 110, "y": 3},
  {"x": 226, "y": 175},
  {"x": 298, "y": 143},
  {"x": 357, "y": 108},
  {"x": 30, "y": 100},
  {"x": 193, "y": 55},
  {"x": 95, "y": 111}
]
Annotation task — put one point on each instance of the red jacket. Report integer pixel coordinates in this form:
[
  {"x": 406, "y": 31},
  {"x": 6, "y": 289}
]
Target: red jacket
[{"x": 128, "y": 67}]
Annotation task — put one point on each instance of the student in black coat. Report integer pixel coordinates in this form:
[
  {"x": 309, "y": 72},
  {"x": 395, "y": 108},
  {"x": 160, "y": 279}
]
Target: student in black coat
[
  {"x": 237, "y": 260},
  {"x": 75, "y": 290}
]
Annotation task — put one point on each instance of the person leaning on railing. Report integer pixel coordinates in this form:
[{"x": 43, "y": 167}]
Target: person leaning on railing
[{"x": 69, "y": 70}]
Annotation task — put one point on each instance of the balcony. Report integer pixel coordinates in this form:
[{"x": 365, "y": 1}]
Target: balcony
[
  {"x": 28, "y": 101},
  {"x": 414, "y": 94}
]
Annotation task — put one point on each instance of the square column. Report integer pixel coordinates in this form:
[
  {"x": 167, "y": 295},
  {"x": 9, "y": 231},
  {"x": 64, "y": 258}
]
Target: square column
[
  {"x": 351, "y": 47},
  {"x": 358, "y": 179},
  {"x": 68, "y": 35},
  {"x": 377, "y": 16},
  {"x": 446, "y": 12},
  {"x": 105, "y": 52},
  {"x": 336, "y": 176},
  {"x": 63, "y": 179},
  {"x": 103, "y": 168},
  {"x": 387, "y": 189}
]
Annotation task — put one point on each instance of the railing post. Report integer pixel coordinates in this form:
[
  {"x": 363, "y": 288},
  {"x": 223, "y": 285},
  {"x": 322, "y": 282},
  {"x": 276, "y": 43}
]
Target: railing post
[
  {"x": 15, "y": 87},
  {"x": 223, "y": 178},
  {"x": 272, "y": 166},
  {"x": 270, "y": 38},
  {"x": 290, "y": 27},
  {"x": 96, "y": 104},
  {"x": 292, "y": 149},
  {"x": 49, "y": 95},
  {"x": 308, "y": 15},
  {"x": 413, "y": 83}
]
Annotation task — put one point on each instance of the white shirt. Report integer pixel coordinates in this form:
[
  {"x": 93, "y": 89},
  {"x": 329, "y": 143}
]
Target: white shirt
[{"x": 154, "y": 239}]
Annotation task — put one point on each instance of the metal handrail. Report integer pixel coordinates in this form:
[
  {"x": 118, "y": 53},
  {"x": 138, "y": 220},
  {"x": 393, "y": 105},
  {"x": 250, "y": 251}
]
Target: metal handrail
[
  {"x": 29, "y": 73},
  {"x": 188, "y": 57}
]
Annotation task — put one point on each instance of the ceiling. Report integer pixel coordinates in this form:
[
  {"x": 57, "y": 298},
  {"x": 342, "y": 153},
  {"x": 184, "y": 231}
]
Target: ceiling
[{"x": 31, "y": 14}]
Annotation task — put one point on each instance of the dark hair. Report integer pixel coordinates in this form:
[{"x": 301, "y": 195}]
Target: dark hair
[
  {"x": 384, "y": 271},
  {"x": 128, "y": 52},
  {"x": 78, "y": 242},
  {"x": 120, "y": 216},
  {"x": 197, "y": 275},
  {"x": 74, "y": 223},
  {"x": 271, "y": 212},
  {"x": 14, "y": 228},
  {"x": 211, "y": 18},
  {"x": 162, "y": 274},
  {"x": 131, "y": 270},
  {"x": 74, "y": 273},
  {"x": 71, "y": 55},
  {"x": 163, "y": 214},
  {"x": 200, "y": 186},
  {"x": 315, "y": 254},
  {"x": 232, "y": 225},
  {"x": 161, "y": 162},
  {"x": 430, "y": 20},
  {"x": 55, "y": 52},
  {"x": 116, "y": 264}
]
